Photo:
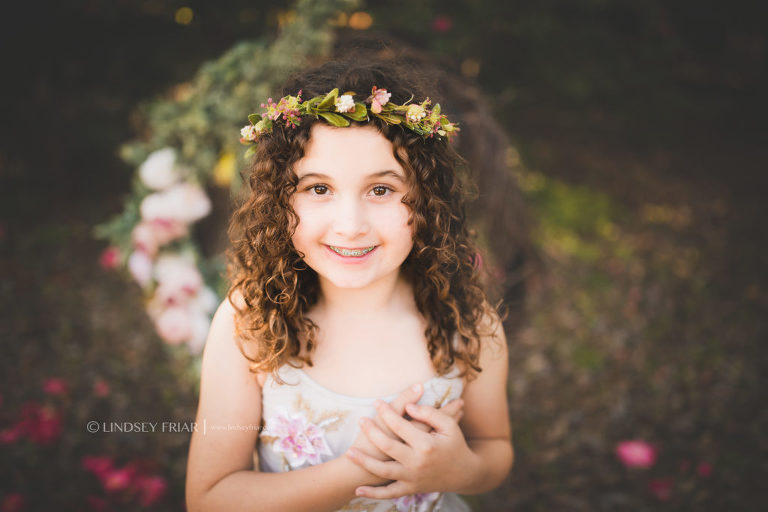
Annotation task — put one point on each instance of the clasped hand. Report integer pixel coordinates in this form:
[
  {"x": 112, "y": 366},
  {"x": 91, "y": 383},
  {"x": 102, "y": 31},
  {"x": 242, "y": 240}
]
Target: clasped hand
[{"x": 425, "y": 454}]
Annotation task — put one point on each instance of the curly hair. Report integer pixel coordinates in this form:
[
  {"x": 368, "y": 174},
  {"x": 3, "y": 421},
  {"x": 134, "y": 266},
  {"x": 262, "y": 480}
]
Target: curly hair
[{"x": 278, "y": 288}]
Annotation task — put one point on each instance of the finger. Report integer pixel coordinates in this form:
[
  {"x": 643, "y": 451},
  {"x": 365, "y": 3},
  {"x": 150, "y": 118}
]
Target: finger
[
  {"x": 393, "y": 490},
  {"x": 391, "y": 447},
  {"x": 403, "y": 428},
  {"x": 390, "y": 470},
  {"x": 409, "y": 396},
  {"x": 454, "y": 408},
  {"x": 431, "y": 416}
]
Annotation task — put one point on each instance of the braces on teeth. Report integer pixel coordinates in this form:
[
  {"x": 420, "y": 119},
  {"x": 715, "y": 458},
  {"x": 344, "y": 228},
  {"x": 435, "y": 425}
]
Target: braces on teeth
[{"x": 353, "y": 252}]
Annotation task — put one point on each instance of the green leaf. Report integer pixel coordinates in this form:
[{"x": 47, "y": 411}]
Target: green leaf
[
  {"x": 250, "y": 151},
  {"x": 436, "y": 109},
  {"x": 329, "y": 100},
  {"x": 390, "y": 118},
  {"x": 254, "y": 118},
  {"x": 360, "y": 113},
  {"x": 334, "y": 119}
]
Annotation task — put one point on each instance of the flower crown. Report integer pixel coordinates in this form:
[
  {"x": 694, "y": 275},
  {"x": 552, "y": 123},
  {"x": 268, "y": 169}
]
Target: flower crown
[{"x": 338, "y": 110}]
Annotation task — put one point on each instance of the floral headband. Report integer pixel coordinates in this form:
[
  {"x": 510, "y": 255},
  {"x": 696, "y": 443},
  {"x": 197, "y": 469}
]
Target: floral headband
[{"x": 339, "y": 110}]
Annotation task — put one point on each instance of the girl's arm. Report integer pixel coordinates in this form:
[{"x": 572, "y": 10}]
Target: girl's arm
[
  {"x": 220, "y": 469},
  {"x": 485, "y": 423}
]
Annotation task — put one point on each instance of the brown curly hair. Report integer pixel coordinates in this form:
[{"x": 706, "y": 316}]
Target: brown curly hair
[{"x": 278, "y": 288}]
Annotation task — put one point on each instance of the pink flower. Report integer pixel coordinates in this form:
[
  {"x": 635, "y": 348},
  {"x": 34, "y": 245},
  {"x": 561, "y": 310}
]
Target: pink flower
[
  {"x": 442, "y": 24},
  {"x": 150, "y": 235},
  {"x": 151, "y": 489},
  {"x": 13, "y": 502},
  {"x": 55, "y": 386},
  {"x": 661, "y": 488},
  {"x": 379, "y": 98},
  {"x": 636, "y": 454},
  {"x": 115, "y": 480},
  {"x": 40, "y": 425},
  {"x": 179, "y": 280},
  {"x": 110, "y": 258},
  {"x": 100, "y": 466},
  {"x": 10, "y": 435},
  {"x": 420, "y": 502},
  {"x": 97, "y": 504},
  {"x": 300, "y": 439},
  {"x": 704, "y": 469},
  {"x": 100, "y": 388}
]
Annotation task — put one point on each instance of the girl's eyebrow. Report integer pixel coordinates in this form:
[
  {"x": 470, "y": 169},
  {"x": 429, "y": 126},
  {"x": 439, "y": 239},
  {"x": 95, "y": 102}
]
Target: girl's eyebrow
[{"x": 379, "y": 174}]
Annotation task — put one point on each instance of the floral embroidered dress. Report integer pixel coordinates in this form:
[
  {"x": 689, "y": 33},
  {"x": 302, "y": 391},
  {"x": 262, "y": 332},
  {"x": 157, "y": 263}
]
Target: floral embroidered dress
[{"x": 306, "y": 423}]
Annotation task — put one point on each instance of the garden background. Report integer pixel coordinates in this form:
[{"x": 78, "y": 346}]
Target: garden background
[{"x": 639, "y": 144}]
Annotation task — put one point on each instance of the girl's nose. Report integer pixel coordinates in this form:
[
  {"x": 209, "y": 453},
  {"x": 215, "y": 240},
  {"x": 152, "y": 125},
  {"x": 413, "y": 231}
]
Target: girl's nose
[{"x": 350, "y": 219}]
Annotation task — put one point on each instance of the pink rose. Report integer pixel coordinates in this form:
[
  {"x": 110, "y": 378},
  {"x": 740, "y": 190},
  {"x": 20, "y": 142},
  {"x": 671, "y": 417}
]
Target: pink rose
[
  {"x": 151, "y": 489},
  {"x": 55, "y": 386},
  {"x": 704, "y": 469},
  {"x": 379, "y": 98},
  {"x": 636, "y": 454},
  {"x": 100, "y": 388},
  {"x": 110, "y": 258}
]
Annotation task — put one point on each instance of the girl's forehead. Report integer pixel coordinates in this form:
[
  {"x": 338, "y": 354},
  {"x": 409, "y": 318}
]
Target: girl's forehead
[{"x": 351, "y": 151}]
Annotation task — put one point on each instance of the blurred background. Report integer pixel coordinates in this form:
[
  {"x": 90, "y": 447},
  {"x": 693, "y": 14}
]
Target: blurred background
[{"x": 638, "y": 144}]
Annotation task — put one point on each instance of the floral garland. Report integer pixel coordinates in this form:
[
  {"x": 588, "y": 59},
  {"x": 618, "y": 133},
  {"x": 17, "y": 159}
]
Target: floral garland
[{"x": 339, "y": 110}]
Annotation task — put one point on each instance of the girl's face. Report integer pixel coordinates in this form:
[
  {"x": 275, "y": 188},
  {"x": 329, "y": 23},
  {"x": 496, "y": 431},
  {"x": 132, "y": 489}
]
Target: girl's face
[{"x": 353, "y": 228}]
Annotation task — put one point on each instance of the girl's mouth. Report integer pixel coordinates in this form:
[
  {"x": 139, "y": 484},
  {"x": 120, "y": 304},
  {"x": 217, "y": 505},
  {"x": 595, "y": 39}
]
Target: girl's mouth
[{"x": 354, "y": 253}]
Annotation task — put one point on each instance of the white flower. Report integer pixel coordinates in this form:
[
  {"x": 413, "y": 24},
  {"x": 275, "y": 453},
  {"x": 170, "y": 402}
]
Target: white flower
[
  {"x": 345, "y": 103},
  {"x": 178, "y": 279},
  {"x": 249, "y": 132},
  {"x": 140, "y": 266},
  {"x": 185, "y": 202},
  {"x": 205, "y": 301},
  {"x": 159, "y": 169},
  {"x": 174, "y": 325}
]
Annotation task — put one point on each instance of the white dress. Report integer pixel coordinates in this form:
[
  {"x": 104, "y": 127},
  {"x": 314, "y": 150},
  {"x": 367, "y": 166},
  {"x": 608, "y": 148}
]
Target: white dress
[{"x": 306, "y": 423}]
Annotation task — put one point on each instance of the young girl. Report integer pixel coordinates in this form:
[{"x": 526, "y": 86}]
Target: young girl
[{"x": 355, "y": 364}]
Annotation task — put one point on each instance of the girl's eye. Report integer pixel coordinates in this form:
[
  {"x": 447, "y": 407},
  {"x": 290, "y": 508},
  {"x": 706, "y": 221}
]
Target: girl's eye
[
  {"x": 319, "y": 189},
  {"x": 380, "y": 190}
]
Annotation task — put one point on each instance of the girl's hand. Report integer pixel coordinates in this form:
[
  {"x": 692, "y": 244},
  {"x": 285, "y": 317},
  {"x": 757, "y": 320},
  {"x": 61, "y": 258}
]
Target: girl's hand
[
  {"x": 409, "y": 396},
  {"x": 421, "y": 461}
]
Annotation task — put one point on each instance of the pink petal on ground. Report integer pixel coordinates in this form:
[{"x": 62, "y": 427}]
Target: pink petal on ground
[
  {"x": 661, "y": 488},
  {"x": 55, "y": 386},
  {"x": 636, "y": 454}
]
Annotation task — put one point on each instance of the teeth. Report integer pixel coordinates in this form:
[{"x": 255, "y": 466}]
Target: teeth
[{"x": 351, "y": 252}]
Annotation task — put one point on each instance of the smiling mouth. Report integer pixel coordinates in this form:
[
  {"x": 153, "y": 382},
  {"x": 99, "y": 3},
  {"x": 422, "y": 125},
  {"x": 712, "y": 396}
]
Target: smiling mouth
[{"x": 352, "y": 252}]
